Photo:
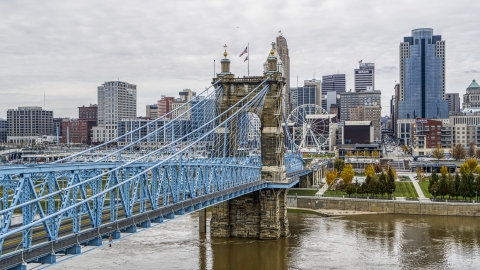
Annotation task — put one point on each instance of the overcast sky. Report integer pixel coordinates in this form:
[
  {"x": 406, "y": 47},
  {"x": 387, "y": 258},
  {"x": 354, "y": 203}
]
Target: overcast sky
[{"x": 66, "y": 49}]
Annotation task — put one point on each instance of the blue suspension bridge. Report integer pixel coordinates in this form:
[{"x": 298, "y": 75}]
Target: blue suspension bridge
[{"x": 212, "y": 149}]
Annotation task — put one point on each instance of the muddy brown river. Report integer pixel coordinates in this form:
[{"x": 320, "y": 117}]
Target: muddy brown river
[{"x": 371, "y": 241}]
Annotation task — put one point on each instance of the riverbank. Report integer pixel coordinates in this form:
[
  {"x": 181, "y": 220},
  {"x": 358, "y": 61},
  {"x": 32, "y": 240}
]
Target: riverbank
[
  {"x": 327, "y": 212},
  {"x": 353, "y": 206}
]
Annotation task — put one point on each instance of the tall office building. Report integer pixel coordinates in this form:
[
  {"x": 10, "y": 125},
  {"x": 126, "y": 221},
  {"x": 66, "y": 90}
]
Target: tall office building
[
  {"x": 453, "y": 101},
  {"x": 151, "y": 111},
  {"x": 165, "y": 106},
  {"x": 350, "y": 100},
  {"x": 282, "y": 49},
  {"x": 364, "y": 77},
  {"x": 334, "y": 82},
  {"x": 307, "y": 95},
  {"x": 27, "y": 124},
  {"x": 89, "y": 115},
  {"x": 422, "y": 76},
  {"x": 116, "y": 101},
  {"x": 471, "y": 98}
]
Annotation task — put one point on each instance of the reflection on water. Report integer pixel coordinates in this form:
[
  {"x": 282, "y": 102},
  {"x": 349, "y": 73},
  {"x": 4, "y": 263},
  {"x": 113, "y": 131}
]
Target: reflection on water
[{"x": 376, "y": 241}]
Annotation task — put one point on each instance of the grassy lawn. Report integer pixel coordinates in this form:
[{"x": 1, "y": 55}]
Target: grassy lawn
[
  {"x": 336, "y": 193},
  {"x": 403, "y": 189},
  {"x": 302, "y": 192},
  {"x": 424, "y": 187}
]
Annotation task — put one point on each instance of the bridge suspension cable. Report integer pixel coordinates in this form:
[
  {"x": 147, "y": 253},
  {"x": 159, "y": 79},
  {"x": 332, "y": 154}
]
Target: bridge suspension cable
[
  {"x": 131, "y": 139},
  {"x": 169, "y": 174}
]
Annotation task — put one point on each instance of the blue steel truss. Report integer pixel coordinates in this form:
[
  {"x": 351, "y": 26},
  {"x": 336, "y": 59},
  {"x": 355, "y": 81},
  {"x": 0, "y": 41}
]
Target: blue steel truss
[{"x": 190, "y": 152}]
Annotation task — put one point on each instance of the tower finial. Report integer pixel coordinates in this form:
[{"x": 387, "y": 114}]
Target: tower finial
[
  {"x": 272, "y": 51},
  {"x": 225, "y": 53}
]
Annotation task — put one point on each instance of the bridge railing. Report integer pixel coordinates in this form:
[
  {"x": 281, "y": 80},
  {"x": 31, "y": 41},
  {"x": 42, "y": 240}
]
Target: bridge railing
[{"x": 94, "y": 191}]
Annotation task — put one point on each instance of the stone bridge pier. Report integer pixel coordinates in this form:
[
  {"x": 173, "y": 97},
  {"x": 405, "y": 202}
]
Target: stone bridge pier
[{"x": 261, "y": 214}]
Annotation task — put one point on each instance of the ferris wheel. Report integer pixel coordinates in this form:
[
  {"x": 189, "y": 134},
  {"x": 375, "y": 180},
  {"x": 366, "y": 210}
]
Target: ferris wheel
[{"x": 309, "y": 125}]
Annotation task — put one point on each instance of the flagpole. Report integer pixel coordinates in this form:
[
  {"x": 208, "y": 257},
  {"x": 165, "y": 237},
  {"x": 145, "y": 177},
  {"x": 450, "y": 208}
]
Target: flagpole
[{"x": 248, "y": 55}]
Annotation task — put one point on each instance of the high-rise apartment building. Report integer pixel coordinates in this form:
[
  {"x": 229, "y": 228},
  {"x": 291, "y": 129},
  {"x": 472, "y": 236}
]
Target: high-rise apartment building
[
  {"x": 334, "y": 82},
  {"x": 282, "y": 49},
  {"x": 26, "y": 124},
  {"x": 116, "y": 101},
  {"x": 3, "y": 130},
  {"x": 422, "y": 76},
  {"x": 364, "y": 77}
]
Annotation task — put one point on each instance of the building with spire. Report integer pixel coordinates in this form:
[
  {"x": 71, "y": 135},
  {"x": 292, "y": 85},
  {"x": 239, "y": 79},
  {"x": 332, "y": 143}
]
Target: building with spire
[{"x": 283, "y": 55}]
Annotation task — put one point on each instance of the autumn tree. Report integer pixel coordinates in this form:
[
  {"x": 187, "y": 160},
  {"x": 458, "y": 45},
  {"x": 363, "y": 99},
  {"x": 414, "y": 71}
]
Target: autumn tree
[
  {"x": 438, "y": 153},
  {"x": 458, "y": 152},
  {"x": 369, "y": 170},
  {"x": 477, "y": 153},
  {"x": 347, "y": 174},
  {"x": 330, "y": 176},
  {"x": 472, "y": 163}
]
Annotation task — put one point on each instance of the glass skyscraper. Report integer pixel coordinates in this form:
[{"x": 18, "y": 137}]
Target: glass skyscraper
[{"x": 422, "y": 76}]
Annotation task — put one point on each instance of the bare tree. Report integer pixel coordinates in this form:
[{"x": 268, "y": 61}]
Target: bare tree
[
  {"x": 458, "y": 152},
  {"x": 471, "y": 149},
  {"x": 438, "y": 153}
]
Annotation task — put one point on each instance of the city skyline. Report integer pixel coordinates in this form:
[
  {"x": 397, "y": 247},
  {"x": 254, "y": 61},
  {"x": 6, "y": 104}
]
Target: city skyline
[{"x": 66, "y": 50}]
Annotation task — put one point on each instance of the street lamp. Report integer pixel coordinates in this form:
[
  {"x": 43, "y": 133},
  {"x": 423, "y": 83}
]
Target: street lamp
[
  {"x": 392, "y": 193},
  {"x": 434, "y": 195},
  {"x": 476, "y": 196},
  {"x": 356, "y": 190}
]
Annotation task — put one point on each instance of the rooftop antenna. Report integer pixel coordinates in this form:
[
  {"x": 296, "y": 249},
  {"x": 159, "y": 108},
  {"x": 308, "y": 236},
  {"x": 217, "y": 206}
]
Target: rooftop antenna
[{"x": 44, "y": 100}]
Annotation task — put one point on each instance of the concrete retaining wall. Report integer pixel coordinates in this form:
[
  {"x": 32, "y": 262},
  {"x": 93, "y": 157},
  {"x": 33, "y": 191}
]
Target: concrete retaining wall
[{"x": 384, "y": 206}]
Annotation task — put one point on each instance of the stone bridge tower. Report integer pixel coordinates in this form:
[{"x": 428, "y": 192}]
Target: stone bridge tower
[{"x": 261, "y": 214}]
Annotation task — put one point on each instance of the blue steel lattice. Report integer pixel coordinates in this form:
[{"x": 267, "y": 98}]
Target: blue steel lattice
[{"x": 174, "y": 162}]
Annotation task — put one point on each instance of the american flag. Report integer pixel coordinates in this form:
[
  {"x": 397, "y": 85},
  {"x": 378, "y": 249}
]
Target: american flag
[
  {"x": 360, "y": 61},
  {"x": 244, "y": 51},
  {"x": 246, "y": 59}
]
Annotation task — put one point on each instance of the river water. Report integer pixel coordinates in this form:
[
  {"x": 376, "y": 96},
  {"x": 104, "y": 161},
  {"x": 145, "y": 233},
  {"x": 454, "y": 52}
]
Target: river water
[{"x": 368, "y": 241}]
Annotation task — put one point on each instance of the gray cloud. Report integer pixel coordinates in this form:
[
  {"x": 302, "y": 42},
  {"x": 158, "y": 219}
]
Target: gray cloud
[
  {"x": 387, "y": 69},
  {"x": 66, "y": 48}
]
